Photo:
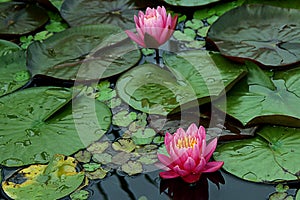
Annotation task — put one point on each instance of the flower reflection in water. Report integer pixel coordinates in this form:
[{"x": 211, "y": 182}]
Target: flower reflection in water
[{"x": 177, "y": 189}]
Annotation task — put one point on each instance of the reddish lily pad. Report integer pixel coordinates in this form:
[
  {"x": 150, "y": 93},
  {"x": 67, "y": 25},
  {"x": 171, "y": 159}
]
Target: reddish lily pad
[
  {"x": 265, "y": 34},
  {"x": 19, "y": 18}
]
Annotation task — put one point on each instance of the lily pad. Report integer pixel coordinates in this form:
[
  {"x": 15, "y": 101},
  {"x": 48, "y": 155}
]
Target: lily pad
[
  {"x": 83, "y": 53},
  {"x": 277, "y": 147},
  {"x": 59, "y": 177},
  {"x": 298, "y": 195},
  {"x": 7, "y": 47},
  {"x": 252, "y": 100},
  {"x": 190, "y": 3},
  {"x": 142, "y": 137},
  {"x": 19, "y": 18},
  {"x": 153, "y": 90},
  {"x": 13, "y": 72},
  {"x": 37, "y": 123},
  {"x": 265, "y": 34},
  {"x": 132, "y": 168},
  {"x": 81, "y": 12}
]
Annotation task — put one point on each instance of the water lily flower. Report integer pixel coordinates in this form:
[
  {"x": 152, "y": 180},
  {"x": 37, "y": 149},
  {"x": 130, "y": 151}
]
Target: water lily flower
[
  {"x": 153, "y": 28},
  {"x": 189, "y": 154}
]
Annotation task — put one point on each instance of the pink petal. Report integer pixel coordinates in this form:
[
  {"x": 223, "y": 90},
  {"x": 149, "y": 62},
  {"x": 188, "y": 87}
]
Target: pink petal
[
  {"x": 180, "y": 132},
  {"x": 180, "y": 171},
  {"x": 168, "y": 174},
  {"x": 210, "y": 148},
  {"x": 202, "y": 132},
  {"x": 164, "y": 159},
  {"x": 135, "y": 38},
  {"x": 168, "y": 139},
  {"x": 192, "y": 130},
  {"x": 174, "y": 22},
  {"x": 200, "y": 166},
  {"x": 189, "y": 164},
  {"x": 191, "y": 178},
  {"x": 213, "y": 166}
]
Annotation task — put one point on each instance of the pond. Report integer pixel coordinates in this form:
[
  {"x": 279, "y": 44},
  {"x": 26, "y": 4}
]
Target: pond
[{"x": 126, "y": 100}]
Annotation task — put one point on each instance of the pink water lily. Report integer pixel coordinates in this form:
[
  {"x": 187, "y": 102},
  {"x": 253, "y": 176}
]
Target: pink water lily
[
  {"x": 153, "y": 28},
  {"x": 189, "y": 154}
]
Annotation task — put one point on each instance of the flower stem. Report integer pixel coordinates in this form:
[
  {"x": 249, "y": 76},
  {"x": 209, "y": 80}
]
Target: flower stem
[{"x": 157, "y": 56}]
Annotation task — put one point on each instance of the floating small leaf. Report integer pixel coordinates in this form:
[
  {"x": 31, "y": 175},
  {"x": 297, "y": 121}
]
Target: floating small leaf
[
  {"x": 142, "y": 137},
  {"x": 132, "y": 168}
]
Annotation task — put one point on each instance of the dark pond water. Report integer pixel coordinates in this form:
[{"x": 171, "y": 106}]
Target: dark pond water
[{"x": 150, "y": 187}]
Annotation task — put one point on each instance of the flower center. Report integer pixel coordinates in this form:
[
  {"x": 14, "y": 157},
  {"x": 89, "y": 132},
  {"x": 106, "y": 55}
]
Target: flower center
[
  {"x": 151, "y": 18},
  {"x": 186, "y": 142}
]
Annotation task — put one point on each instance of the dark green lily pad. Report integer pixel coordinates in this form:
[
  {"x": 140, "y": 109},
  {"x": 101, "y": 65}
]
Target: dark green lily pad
[
  {"x": 7, "y": 47},
  {"x": 13, "y": 72},
  {"x": 82, "y": 12},
  {"x": 153, "y": 90},
  {"x": 19, "y": 18},
  {"x": 37, "y": 123},
  {"x": 298, "y": 195},
  {"x": 270, "y": 157},
  {"x": 265, "y": 34},
  {"x": 53, "y": 181},
  {"x": 190, "y": 2},
  {"x": 258, "y": 99},
  {"x": 83, "y": 53}
]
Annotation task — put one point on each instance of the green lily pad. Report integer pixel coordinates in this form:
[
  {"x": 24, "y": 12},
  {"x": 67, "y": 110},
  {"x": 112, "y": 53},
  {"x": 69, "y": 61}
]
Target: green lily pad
[
  {"x": 81, "y": 12},
  {"x": 190, "y": 3},
  {"x": 83, "y": 156},
  {"x": 142, "y": 137},
  {"x": 252, "y": 100},
  {"x": 153, "y": 90},
  {"x": 89, "y": 167},
  {"x": 132, "y": 168},
  {"x": 80, "y": 195},
  {"x": 124, "y": 118},
  {"x": 53, "y": 181},
  {"x": 298, "y": 195},
  {"x": 19, "y": 18},
  {"x": 265, "y": 34},
  {"x": 276, "y": 147},
  {"x": 83, "y": 53},
  {"x": 125, "y": 145},
  {"x": 13, "y": 72},
  {"x": 97, "y": 174},
  {"x": 7, "y": 47},
  {"x": 102, "y": 158},
  {"x": 37, "y": 123}
]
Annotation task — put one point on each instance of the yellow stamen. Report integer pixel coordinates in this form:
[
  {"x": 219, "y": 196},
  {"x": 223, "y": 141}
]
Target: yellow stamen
[{"x": 186, "y": 142}]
